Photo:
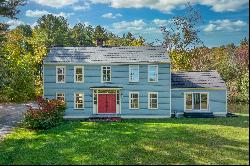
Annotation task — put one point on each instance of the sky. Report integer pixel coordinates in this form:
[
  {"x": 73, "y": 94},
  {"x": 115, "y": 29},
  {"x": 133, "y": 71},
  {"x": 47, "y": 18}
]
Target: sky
[{"x": 223, "y": 21}]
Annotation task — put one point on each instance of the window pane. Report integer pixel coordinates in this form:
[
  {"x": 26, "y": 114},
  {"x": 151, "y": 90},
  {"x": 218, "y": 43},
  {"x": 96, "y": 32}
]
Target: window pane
[
  {"x": 196, "y": 97},
  {"x": 189, "y": 101},
  {"x": 95, "y": 98},
  {"x": 60, "y": 78},
  {"x": 134, "y": 73},
  {"x": 79, "y": 78},
  {"x": 60, "y": 70},
  {"x": 153, "y": 100},
  {"x": 153, "y": 95},
  {"x": 80, "y": 106},
  {"x": 79, "y": 100},
  {"x": 134, "y": 100},
  {"x": 117, "y": 98},
  {"x": 60, "y": 96},
  {"x": 204, "y": 101},
  {"x": 79, "y": 70},
  {"x": 152, "y": 73}
]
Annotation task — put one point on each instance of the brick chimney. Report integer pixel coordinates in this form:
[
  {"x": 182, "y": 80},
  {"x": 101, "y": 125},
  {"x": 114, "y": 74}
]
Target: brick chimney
[{"x": 99, "y": 42}]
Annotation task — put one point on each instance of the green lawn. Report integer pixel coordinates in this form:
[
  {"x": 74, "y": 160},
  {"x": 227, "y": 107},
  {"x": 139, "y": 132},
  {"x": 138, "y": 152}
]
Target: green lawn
[{"x": 169, "y": 141}]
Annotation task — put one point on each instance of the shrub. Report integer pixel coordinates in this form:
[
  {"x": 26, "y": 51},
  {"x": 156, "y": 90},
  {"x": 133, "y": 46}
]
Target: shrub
[{"x": 48, "y": 114}]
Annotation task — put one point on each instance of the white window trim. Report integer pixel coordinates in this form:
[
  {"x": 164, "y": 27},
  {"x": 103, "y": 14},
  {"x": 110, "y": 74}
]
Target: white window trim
[
  {"x": 130, "y": 100},
  {"x": 102, "y": 74},
  {"x": 64, "y": 74},
  {"x": 82, "y": 101},
  {"x": 196, "y": 110},
  {"x": 75, "y": 67},
  {"x": 130, "y": 66},
  {"x": 156, "y": 72},
  {"x": 60, "y": 93},
  {"x": 149, "y": 100}
]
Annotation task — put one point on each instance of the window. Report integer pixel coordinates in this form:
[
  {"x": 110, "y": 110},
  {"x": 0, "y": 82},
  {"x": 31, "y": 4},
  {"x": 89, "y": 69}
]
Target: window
[
  {"x": 133, "y": 73},
  {"x": 117, "y": 97},
  {"x": 60, "y": 96},
  {"x": 152, "y": 73},
  {"x": 153, "y": 100},
  {"x": 79, "y": 100},
  {"x": 196, "y": 101},
  {"x": 204, "y": 103},
  {"x": 60, "y": 74},
  {"x": 133, "y": 100},
  {"x": 106, "y": 74},
  {"x": 79, "y": 74},
  {"x": 189, "y": 101}
]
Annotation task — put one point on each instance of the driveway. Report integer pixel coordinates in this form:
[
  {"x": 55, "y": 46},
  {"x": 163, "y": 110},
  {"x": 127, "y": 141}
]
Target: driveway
[{"x": 10, "y": 116}]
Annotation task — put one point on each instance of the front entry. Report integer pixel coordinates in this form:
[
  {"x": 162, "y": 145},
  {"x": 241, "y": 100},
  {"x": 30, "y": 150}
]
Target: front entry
[{"x": 106, "y": 103}]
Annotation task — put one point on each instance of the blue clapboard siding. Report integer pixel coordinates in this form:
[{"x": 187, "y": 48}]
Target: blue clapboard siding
[
  {"x": 120, "y": 73},
  {"x": 217, "y": 100}
]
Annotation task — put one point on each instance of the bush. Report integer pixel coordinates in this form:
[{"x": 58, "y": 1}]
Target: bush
[{"x": 48, "y": 114}]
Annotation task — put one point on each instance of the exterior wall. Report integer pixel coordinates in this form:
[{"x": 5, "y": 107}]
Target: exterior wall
[
  {"x": 217, "y": 100},
  {"x": 119, "y": 78}
]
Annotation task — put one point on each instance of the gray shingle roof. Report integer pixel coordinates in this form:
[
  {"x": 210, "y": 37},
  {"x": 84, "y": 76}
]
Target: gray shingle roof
[
  {"x": 197, "y": 79},
  {"x": 106, "y": 55}
]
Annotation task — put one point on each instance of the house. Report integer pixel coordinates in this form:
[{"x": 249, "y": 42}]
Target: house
[{"x": 128, "y": 82}]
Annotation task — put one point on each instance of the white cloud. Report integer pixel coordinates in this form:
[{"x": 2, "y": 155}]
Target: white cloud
[
  {"x": 111, "y": 15},
  {"x": 167, "y": 6},
  {"x": 39, "y": 13},
  {"x": 160, "y": 22},
  {"x": 133, "y": 25},
  {"x": 224, "y": 25},
  {"x": 209, "y": 28},
  {"x": 36, "y": 13},
  {"x": 14, "y": 23},
  {"x": 56, "y": 3},
  {"x": 81, "y": 6}
]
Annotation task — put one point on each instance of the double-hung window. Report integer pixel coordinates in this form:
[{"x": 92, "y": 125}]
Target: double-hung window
[
  {"x": 60, "y": 96},
  {"x": 133, "y": 73},
  {"x": 196, "y": 101},
  {"x": 152, "y": 73},
  {"x": 153, "y": 100},
  {"x": 79, "y": 100},
  {"x": 79, "y": 74},
  {"x": 133, "y": 100},
  {"x": 60, "y": 74},
  {"x": 106, "y": 73}
]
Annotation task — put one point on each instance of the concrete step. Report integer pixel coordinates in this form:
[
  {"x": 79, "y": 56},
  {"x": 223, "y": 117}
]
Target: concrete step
[{"x": 199, "y": 115}]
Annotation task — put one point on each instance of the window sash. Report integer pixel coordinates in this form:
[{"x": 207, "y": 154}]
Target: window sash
[
  {"x": 60, "y": 74},
  {"x": 79, "y": 100},
  {"x": 60, "y": 96},
  {"x": 79, "y": 73},
  {"x": 133, "y": 73},
  {"x": 153, "y": 73},
  {"x": 134, "y": 100},
  {"x": 153, "y": 100},
  {"x": 106, "y": 74}
]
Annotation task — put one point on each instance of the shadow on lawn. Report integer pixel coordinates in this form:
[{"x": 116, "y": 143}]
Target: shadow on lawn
[{"x": 133, "y": 142}]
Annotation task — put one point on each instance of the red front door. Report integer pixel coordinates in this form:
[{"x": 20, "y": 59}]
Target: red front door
[{"x": 107, "y": 103}]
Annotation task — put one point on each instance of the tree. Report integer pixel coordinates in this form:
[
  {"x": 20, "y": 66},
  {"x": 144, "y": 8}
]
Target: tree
[
  {"x": 8, "y": 9},
  {"x": 56, "y": 29},
  {"x": 100, "y": 33},
  {"x": 80, "y": 35},
  {"x": 181, "y": 37}
]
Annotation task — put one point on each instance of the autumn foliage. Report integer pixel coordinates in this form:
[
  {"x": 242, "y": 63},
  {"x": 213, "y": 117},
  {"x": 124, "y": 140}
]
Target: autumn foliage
[{"x": 48, "y": 114}]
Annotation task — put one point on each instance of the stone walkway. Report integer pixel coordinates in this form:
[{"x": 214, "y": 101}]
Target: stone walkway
[{"x": 10, "y": 116}]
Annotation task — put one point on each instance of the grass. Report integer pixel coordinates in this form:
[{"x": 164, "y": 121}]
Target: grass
[{"x": 169, "y": 141}]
